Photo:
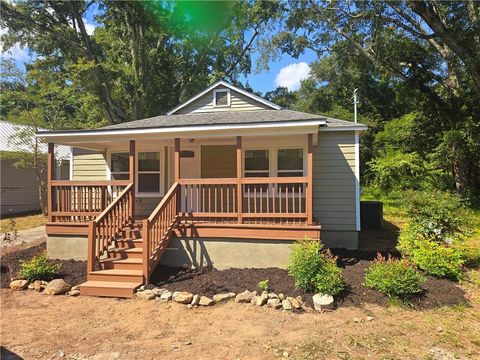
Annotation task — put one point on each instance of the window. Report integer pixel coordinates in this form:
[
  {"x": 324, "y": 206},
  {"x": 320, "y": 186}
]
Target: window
[
  {"x": 149, "y": 172},
  {"x": 290, "y": 162},
  {"x": 119, "y": 166},
  {"x": 256, "y": 163},
  {"x": 221, "y": 98}
]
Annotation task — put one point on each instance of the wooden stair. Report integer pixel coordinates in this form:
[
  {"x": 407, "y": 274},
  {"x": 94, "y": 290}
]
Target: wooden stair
[{"x": 120, "y": 272}]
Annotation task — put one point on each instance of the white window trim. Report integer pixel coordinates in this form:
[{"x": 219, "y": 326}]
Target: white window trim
[
  {"x": 159, "y": 172},
  {"x": 215, "y": 98},
  {"x": 270, "y": 172}
]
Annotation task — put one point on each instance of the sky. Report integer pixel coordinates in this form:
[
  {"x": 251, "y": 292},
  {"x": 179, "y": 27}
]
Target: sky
[{"x": 285, "y": 71}]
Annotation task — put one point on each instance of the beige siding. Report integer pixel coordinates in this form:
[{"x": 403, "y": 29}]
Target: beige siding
[
  {"x": 334, "y": 181},
  {"x": 238, "y": 102},
  {"x": 19, "y": 191},
  {"x": 219, "y": 161},
  {"x": 88, "y": 165}
]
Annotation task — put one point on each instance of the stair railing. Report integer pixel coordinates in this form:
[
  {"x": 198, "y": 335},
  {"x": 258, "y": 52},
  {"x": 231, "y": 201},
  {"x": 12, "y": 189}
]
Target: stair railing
[
  {"x": 157, "y": 230},
  {"x": 107, "y": 226}
]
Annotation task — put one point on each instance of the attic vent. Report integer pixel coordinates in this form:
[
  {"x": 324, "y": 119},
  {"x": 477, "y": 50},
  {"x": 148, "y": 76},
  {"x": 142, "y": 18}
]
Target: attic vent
[{"x": 221, "y": 98}]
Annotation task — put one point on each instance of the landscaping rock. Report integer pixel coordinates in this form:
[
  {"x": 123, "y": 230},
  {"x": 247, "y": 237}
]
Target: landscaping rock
[
  {"x": 19, "y": 284},
  {"x": 166, "y": 296},
  {"x": 274, "y": 303},
  {"x": 159, "y": 292},
  {"x": 281, "y": 296},
  {"x": 295, "y": 303},
  {"x": 272, "y": 295},
  {"x": 38, "y": 286},
  {"x": 141, "y": 288},
  {"x": 195, "y": 300},
  {"x": 206, "y": 301},
  {"x": 369, "y": 318},
  {"x": 30, "y": 286},
  {"x": 287, "y": 305},
  {"x": 262, "y": 299},
  {"x": 146, "y": 295},
  {"x": 182, "y": 297},
  {"x": 223, "y": 297},
  {"x": 57, "y": 287},
  {"x": 245, "y": 297},
  {"x": 73, "y": 293},
  {"x": 323, "y": 302}
]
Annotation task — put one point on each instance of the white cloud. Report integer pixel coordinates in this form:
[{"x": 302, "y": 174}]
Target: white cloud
[
  {"x": 89, "y": 27},
  {"x": 291, "y": 75},
  {"x": 16, "y": 52}
]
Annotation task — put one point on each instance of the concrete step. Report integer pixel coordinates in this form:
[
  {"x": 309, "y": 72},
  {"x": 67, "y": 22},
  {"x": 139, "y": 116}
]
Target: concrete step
[{"x": 109, "y": 288}]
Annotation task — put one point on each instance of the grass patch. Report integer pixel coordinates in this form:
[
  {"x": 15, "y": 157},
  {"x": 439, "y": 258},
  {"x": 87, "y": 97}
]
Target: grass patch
[{"x": 22, "y": 222}]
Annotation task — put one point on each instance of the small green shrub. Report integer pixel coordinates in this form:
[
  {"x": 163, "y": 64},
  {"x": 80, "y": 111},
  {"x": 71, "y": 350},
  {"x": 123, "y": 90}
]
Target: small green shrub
[
  {"x": 263, "y": 285},
  {"x": 438, "y": 260},
  {"x": 315, "y": 269},
  {"x": 395, "y": 278},
  {"x": 40, "y": 267}
]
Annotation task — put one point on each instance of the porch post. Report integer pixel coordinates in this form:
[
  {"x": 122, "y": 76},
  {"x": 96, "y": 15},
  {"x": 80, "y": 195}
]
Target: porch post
[
  {"x": 239, "y": 180},
  {"x": 132, "y": 177},
  {"x": 310, "y": 180},
  {"x": 177, "y": 159},
  {"x": 50, "y": 169}
]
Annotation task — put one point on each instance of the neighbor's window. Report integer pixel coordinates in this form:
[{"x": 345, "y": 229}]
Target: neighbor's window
[
  {"x": 256, "y": 163},
  {"x": 149, "y": 172},
  {"x": 221, "y": 98},
  {"x": 119, "y": 166},
  {"x": 290, "y": 162}
]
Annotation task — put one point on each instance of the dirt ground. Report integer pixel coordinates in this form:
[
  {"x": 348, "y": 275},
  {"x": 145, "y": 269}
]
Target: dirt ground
[{"x": 37, "y": 326}]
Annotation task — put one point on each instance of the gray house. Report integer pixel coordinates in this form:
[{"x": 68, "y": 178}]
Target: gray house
[{"x": 226, "y": 178}]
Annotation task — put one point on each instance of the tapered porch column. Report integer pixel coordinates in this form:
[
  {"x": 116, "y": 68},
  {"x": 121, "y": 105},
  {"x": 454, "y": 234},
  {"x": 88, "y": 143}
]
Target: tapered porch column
[
  {"x": 132, "y": 177},
  {"x": 310, "y": 180},
  {"x": 177, "y": 159},
  {"x": 50, "y": 172},
  {"x": 239, "y": 180}
]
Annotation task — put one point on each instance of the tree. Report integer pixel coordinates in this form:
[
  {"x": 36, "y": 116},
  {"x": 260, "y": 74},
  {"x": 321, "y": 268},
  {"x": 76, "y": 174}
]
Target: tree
[{"x": 427, "y": 50}]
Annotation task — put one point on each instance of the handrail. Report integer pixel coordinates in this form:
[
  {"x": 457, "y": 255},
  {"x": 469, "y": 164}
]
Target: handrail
[
  {"x": 108, "y": 224},
  {"x": 245, "y": 180},
  {"x": 157, "y": 230},
  {"x": 90, "y": 182}
]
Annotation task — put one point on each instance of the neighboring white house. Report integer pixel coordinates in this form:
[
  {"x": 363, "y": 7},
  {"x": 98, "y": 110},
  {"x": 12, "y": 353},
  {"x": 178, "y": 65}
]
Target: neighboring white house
[{"x": 18, "y": 187}]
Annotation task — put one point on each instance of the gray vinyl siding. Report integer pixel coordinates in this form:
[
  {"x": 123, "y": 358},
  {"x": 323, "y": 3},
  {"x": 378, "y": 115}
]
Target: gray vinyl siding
[
  {"x": 334, "y": 181},
  {"x": 238, "y": 102},
  {"x": 18, "y": 188},
  {"x": 89, "y": 165},
  {"x": 219, "y": 161}
]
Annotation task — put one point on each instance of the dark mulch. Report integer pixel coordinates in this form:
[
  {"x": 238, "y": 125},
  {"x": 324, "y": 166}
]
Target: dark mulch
[
  {"x": 72, "y": 271},
  {"x": 210, "y": 281}
]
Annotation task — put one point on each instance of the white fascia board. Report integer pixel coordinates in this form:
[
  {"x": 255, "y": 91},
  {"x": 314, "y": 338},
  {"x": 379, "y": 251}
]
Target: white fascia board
[
  {"x": 186, "y": 132},
  {"x": 344, "y": 128},
  {"x": 224, "y": 83}
]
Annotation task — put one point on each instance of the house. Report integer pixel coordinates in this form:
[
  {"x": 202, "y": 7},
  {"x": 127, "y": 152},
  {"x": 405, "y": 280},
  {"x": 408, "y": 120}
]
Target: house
[
  {"x": 18, "y": 184},
  {"x": 226, "y": 178}
]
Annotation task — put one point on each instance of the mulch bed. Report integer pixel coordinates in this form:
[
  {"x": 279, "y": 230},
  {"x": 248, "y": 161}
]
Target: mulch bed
[
  {"x": 209, "y": 281},
  {"x": 72, "y": 271}
]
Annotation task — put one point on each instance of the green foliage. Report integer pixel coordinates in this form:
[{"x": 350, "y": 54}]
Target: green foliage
[
  {"x": 40, "y": 267},
  {"x": 395, "y": 278},
  {"x": 438, "y": 260},
  {"x": 315, "y": 269},
  {"x": 263, "y": 285}
]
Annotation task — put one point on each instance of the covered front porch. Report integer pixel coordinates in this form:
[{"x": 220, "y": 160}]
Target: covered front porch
[{"x": 220, "y": 186}]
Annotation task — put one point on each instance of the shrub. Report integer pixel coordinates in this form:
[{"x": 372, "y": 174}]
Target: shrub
[
  {"x": 263, "y": 285},
  {"x": 438, "y": 260},
  {"x": 40, "y": 267},
  {"x": 395, "y": 278},
  {"x": 315, "y": 269}
]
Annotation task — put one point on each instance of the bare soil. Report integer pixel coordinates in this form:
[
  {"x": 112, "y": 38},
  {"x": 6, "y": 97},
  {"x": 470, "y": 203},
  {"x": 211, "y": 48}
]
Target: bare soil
[{"x": 37, "y": 326}]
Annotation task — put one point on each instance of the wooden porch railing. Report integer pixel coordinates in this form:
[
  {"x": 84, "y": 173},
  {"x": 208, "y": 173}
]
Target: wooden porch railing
[
  {"x": 277, "y": 200},
  {"x": 157, "y": 230},
  {"x": 82, "y": 201},
  {"x": 107, "y": 226}
]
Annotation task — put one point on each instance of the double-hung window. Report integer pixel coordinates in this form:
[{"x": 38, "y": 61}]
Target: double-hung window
[
  {"x": 290, "y": 162},
  {"x": 148, "y": 172},
  {"x": 119, "y": 166},
  {"x": 257, "y": 163}
]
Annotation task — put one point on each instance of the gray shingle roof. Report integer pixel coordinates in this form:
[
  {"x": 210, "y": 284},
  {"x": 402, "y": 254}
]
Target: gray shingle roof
[{"x": 226, "y": 117}]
